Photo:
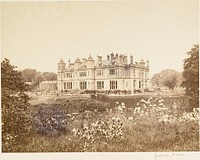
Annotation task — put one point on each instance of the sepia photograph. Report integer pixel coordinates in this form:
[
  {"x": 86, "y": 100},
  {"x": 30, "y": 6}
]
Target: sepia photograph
[{"x": 100, "y": 76}]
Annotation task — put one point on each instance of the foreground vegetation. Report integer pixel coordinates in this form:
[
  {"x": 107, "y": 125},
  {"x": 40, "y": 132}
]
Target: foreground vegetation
[{"x": 148, "y": 126}]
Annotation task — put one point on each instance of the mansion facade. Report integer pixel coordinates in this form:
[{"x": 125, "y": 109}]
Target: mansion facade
[{"x": 114, "y": 73}]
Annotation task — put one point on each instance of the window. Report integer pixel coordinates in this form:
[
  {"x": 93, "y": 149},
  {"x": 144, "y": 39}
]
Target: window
[
  {"x": 141, "y": 73},
  {"x": 146, "y": 75},
  {"x": 145, "y": 83},
  {"x": 64, "y": 85},
  {"x": 127, "y": 73},
  {"x": 99, "y": 72},
  {"x": 113, "y": 84},
  {"x": 139, "y": 84},
  {"x": 69, "y": 85},
  {"x": 142, "y": 84},
  {"x": 82, "y": 74},
  {"x": 83, "y": 85},
  {"x": 113, "y": 72},
  {"x": 69, "y": 75},
  {"x": 133, "y": 72},
  {"x": 134, "y": 84},
  {"x": 100, "y": 84}
]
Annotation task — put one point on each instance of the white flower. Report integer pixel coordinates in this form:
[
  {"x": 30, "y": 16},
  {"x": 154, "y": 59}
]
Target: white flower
[
  {"x": 85, "y": 128},
  {"x": 143, "y": 101},
  {"x": 113, "y": 118},
  {"x": 130, "y": 118},
  {"x": 74, "y": 130},
  {"x": 119, "y": 108},
  {"x": 195, "y": 109}
]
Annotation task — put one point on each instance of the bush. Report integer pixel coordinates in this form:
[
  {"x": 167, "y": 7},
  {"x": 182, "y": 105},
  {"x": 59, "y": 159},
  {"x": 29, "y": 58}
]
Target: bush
[{"x": 15, "y": 108}]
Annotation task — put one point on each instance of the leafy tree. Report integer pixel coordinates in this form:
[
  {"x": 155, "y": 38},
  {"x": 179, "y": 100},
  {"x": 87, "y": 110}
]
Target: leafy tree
[
  {"x": 170, "y": 82},
  {"x": 28, "y": 75},
  {"x": 168, "y": 77},
  {"x": 32, "y": 75},
  {"x": 156, "y": 79},
  {"x": 15, "y": 107},
  {"x": 49, "y": 76},
  {"x": 191, "y": 75}
]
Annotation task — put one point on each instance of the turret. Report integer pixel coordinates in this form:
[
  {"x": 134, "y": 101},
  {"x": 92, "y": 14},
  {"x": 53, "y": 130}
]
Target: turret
[
  {"x": 90, "y": 62},
  {"x": 61, "y": 65},
  {"x": 142, "y": 62},
  {"x": 77, "y": 63}
]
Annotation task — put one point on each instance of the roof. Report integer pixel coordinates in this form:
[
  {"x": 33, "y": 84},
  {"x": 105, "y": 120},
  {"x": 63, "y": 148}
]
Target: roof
[
  {"x": 61, "y": 61},
  {"x": 106, "y": 62},
  {"x": 90, "y": 58},
  {"x": 78, "y": 60}
]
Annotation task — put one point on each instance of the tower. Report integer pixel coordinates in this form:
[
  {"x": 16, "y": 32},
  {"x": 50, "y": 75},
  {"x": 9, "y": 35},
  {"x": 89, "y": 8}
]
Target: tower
[
  {"x": 60, "y": 75},
  {"x": 61, "y": 65}
]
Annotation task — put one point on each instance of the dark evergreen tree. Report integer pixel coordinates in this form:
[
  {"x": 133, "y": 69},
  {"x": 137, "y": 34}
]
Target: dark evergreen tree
[
  {"x": 191, "y": 76},
  {"x": 15, "y": 108}
]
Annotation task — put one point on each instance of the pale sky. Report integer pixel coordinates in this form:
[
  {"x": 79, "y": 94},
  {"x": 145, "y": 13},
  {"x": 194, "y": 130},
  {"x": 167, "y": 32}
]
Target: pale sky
[{"x": 37, "y": 34}]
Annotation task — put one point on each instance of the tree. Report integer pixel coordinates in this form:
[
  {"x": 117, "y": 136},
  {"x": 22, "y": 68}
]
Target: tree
[
  {"x": 191, "y": 75},
  {"x": 170, "y": 82},
  {"x": 169, "y": 78},
  {"x": 49, "y": 76},
  {"x": 28, "y": 75},
  {"x": 156, "y": 79},
  {"x": 32, "y": 75},
  {"x": 15, "y": 107}
]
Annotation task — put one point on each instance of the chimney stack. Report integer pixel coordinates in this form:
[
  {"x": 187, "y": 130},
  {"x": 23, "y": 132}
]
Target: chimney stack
[{"x": 131, "y": 58}]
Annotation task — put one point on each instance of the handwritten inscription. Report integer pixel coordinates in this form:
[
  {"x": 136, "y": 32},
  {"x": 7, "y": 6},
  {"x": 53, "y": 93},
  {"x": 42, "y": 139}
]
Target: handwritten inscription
[{"x": 167, "y": 155}]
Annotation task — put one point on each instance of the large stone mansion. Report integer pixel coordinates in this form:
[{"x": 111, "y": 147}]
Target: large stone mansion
[{"x": 111, "y": 74}]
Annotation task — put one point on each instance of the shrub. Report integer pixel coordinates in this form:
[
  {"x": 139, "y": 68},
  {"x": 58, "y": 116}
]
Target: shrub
[{"x": 15, "y": 108}]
